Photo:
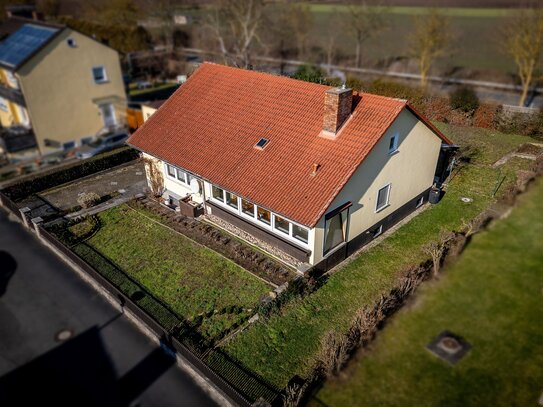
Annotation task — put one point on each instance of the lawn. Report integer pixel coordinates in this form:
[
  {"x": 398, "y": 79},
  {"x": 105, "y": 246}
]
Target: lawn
[
  {"x": 191, "y": 279},
  {"x": 492, "y": 298},
  {"x": 286, "y": 344}
]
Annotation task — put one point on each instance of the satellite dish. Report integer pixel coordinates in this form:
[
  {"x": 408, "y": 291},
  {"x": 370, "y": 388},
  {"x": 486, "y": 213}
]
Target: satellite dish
[{"x": 194, "y": 186}]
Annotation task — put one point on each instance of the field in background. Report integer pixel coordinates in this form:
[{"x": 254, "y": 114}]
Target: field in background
[{"x": 492, "y": 298}]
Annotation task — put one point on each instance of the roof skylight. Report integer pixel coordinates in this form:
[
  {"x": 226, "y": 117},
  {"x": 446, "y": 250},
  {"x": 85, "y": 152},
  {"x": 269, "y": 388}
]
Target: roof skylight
[{"x": 261, "y": 143}]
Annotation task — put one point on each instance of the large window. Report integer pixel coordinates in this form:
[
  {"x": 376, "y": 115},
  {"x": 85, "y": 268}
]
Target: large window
[
  {"x": 248, "y": 208},
  {"x": 263, "y": 215},
  {"x": 232, "y": 200},
  {"x": 282, "y": 224},
  {"x": 218, "y": 193},
  {"x": 299, "y": 233},
  {"x": 335, "y": 230},
  {"x": 182, "y": 176},
  {"x": 383, "y": 197},
  {"x": 99, "y": 74}
]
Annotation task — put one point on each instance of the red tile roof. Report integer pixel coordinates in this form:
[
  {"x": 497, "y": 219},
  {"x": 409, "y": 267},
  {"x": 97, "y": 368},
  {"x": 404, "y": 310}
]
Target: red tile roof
[{"x": 211, "y": 124}]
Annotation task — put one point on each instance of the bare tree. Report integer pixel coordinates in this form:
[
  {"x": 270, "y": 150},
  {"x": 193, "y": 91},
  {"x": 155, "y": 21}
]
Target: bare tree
[
  {"x": 302, "y": 23},
  {"x": 333, "y": 29},
  {"x": 523, "y": 41},
  {"x": 436, "y": 249},
  {"x": 235, "y": 24},
  {"x": 429, "y": 41},
  {"x": 364, "y": 22}
]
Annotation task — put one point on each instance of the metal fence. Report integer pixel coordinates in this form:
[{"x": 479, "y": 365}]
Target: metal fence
[{"x": 236, "y": 381}]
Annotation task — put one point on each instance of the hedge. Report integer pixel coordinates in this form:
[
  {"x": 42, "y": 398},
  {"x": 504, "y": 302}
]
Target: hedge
[{"x": 54, "y": 177}]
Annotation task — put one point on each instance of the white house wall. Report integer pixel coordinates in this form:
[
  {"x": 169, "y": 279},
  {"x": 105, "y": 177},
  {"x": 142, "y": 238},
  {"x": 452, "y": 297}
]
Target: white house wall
[{"x": 410, "y": 171}]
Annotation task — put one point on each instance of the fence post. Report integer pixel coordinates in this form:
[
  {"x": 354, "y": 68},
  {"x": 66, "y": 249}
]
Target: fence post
[
  {"x": 36, "y": 222},
  {"x": 24, "y": 211}
]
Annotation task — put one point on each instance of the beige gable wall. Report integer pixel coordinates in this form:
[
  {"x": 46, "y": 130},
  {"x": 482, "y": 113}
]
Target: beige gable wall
[
  {"x": 410, "y": 171},
  {"x": 59, "y": 88}
]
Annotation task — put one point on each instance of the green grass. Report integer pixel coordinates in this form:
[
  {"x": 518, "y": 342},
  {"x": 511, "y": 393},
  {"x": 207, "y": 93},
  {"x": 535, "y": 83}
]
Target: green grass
[
  {"x": 286, "y": 344},
  {"x": 190, "y": 278},
  {"x": 491, "y": 297},
  {"x": 139, "y": 92}
]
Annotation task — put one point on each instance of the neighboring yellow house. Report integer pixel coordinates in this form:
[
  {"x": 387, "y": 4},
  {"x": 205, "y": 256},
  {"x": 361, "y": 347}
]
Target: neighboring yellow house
[{"x": 61, "y": 84}]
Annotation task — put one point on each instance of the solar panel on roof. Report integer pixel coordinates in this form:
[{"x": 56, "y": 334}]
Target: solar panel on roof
[{"x": 23, "y": 42}]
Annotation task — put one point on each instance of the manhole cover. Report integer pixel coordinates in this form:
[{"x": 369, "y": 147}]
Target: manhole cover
[
  {"x": 63, "y": 335},
  {"x": 449, "y": 347}
]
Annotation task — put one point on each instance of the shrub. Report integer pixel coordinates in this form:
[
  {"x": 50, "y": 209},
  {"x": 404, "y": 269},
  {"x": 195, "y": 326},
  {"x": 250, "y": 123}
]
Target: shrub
[
  {"x": 88, "y": 199},
  {"x": 396, "y": 90},
  {"x": 309, "y": 73},
  {"x": 485, "y": 116},
  {"x": 465, "y": 99}
]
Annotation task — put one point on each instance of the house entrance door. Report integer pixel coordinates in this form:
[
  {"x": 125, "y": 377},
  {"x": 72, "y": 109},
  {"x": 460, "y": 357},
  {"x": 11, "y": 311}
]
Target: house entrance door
[{"x": 108, "y": 114}]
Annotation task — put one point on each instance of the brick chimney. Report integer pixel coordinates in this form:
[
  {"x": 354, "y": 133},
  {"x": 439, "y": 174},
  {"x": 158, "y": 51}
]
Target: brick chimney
[{"x": 338, "y": 104}]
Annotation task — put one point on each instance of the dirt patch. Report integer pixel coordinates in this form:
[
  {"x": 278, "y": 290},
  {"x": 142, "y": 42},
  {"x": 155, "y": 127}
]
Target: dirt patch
[
  {"x": 239, "y": 252},
  {"x": 530, "y": 149}
]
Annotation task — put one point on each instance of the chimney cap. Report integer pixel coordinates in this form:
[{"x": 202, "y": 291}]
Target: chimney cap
[{"x": 339, "y": 90}]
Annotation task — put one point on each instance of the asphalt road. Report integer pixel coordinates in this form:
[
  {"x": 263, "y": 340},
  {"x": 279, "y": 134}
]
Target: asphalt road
[{"x": 107, "y": 361}]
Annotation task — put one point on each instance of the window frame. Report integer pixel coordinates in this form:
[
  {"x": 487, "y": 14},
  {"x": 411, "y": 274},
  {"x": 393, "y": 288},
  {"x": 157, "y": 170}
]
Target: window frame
[
  {"x": 387, "y": 202},
  {"x": 345, "y": 227},
  {"x": 268, "y": 224},
  {"x": 223, "y": 201},
  {"x": 394, "y": 141},
  {"x": 105, "y": 77},
  {"x": 253, "y": 216},
  {"x": 227, "y": 201},
  {"x": 420, "y": 201},
  {"x": 286, "y": 231}
]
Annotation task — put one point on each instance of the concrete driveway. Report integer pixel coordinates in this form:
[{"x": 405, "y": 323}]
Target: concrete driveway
[{"x": 62, "y": 344}]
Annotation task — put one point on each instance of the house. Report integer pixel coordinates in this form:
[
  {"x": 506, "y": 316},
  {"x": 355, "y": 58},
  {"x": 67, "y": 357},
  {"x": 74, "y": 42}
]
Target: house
[
  {"x": 61, "y": 85},
  {"x": 315, "y": 171},
  {"x": 148, "y": 108}
]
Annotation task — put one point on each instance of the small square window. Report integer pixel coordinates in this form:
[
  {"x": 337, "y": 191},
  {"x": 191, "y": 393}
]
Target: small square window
[
  {"x": 248, "y": 208},
  {"x": 217, "y": 193},
  {"x": 261, "y": 143},
  {"x": 231, "y": 200},
  {"x": 377, "y": 231},
  {"x": 393, "y": 144},
  {"x": 420, "y": 201},
  {"x": 171, "y": 170},
  {"x": 300, "y": 233},
  {"x": 99, "y": 74},
  {"x": 263, "y": 215},
  {"x": 383, "y": 198},
  {"x": 282, "y": 224}
]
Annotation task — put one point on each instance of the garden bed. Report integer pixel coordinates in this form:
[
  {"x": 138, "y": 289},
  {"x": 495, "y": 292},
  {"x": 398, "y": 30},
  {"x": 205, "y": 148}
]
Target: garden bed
[{"x": 211, "y": 292}]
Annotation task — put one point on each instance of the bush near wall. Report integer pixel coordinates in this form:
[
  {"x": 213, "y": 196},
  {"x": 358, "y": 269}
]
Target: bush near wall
[{"x": 52, "y": 178}]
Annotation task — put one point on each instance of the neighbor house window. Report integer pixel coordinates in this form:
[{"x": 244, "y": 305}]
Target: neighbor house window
[
  {"x": 281, "y": 224},
  {"x": 217, "y": 193},
  {"x": 171, "y": 170},
  {"x": 182, "y": 176},
  {"x": 263, "y": 215},
  {"x": 99, "y": 74},
  {"x": 300, "y": 233},
  {"x": 71, "y": 42},
  {"x": 383, "y": 197},
  {"x": 231, "y": 200},
  {"x": 393, "y": 144},
  {"x": 248, "y": 208},
  {"x": 335, "y": 230}
]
